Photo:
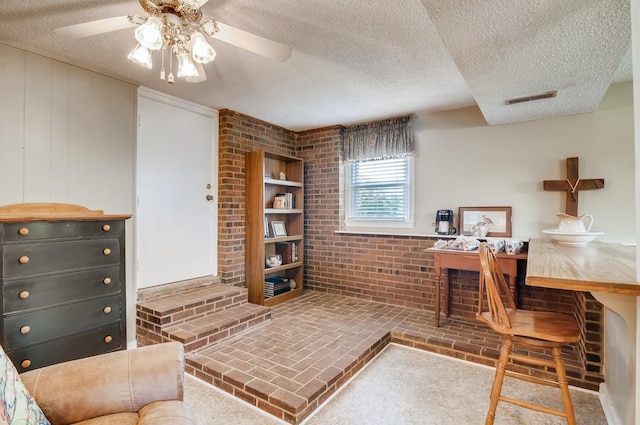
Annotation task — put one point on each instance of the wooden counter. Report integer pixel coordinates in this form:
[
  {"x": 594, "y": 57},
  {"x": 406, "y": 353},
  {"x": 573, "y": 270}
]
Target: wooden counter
[{"x": 596, "y": 267}]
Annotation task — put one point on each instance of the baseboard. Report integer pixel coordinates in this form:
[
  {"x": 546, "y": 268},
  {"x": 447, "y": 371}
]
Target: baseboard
[{"x": 607, "y": 406}]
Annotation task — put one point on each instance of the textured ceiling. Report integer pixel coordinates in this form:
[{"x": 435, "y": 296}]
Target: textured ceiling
[{"x": 357, "y": 61}]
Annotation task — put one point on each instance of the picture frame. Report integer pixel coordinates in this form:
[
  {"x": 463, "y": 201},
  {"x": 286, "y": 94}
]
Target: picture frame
[
  {"x": 278, "y": 228},
  {"x": 499, "y": 220}
]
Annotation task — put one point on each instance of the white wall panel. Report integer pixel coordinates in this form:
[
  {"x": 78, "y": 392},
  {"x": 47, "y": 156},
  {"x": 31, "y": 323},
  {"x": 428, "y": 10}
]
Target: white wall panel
[
  {"x": 37, "y": 140},
  {"x": 12, "y": 69}
]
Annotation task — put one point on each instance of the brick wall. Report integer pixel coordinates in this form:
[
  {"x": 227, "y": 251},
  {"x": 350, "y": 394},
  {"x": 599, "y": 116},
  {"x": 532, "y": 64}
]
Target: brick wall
[
  {"x": 237, "y": 135},
  {"x": 389, "y": 269}
]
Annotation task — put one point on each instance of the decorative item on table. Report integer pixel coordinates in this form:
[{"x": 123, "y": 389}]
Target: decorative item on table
[
  {"x": 496, "y": 245},
  {"x": 485, "y": 221},
  {"x": 513, "y": 246},
  {"x": 444, "y": 222},
  {"x": 282, "y": 175},
  {"x": 273, "y": 260},
  {"x": 461, "y": 243},
  {"x": 572, "y": 230}
]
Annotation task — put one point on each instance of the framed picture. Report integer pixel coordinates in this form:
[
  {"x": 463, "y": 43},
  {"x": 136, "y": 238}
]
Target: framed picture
[
  {"x": 278, "y": 229},
  {"x": 498, "y": 219}
]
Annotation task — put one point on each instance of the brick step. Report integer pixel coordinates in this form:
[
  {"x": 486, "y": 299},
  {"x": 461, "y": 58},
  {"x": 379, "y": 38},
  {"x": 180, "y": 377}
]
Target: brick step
[
  {"x": 197, "y": 317},
  {"x": 205, "y": 331}
]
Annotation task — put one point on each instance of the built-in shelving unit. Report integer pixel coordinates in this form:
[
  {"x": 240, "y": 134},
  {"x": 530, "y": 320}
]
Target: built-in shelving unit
[{"x": 270, "y": 175}]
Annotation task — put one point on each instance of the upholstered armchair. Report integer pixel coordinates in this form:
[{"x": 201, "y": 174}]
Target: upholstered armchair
[{"x": 144, "y": 385}]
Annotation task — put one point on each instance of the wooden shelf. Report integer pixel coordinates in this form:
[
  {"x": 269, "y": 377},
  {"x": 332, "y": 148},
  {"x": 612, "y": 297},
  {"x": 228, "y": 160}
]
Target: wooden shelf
[{"x": 261, "y": 188}]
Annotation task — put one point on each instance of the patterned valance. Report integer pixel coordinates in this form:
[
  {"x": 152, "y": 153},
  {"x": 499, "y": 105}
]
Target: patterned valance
[{"x": 392, "y": 138}]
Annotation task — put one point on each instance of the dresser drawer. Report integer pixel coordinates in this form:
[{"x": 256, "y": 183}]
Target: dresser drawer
[
  {"x": 91, "y": 343},
  {"x": 29, "y": 328},
  {"x": 38, "y": 230},
  {"x": 29, "y": 259},
  {"x": 35, "y": 292}
]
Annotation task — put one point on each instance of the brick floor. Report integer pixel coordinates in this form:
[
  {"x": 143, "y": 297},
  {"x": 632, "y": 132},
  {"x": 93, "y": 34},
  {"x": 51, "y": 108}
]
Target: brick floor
[{"x": 315, "y": 343}]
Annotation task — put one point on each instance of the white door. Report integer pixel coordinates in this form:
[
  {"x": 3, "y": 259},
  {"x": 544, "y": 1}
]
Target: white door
[{"x": 176, "y": 225}]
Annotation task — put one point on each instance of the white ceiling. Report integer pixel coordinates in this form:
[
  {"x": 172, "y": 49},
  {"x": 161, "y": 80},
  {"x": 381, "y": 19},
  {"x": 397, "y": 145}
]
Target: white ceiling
[{"x": 357, "y": 60}]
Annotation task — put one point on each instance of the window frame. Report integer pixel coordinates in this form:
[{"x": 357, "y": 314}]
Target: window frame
[{"x": 378, "y": 223}]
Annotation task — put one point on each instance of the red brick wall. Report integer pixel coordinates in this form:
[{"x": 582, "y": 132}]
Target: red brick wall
[
  {"x": 389, "y": 269},
  {"x": 237, "y": 135}
]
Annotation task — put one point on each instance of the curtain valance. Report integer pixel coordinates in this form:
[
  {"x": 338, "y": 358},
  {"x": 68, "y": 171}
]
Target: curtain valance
[{"x": 391, "y": 138}]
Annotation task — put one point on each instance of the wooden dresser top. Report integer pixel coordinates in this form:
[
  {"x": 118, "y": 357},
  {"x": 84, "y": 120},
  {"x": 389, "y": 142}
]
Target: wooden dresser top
[{"x": 53, "y": 212}]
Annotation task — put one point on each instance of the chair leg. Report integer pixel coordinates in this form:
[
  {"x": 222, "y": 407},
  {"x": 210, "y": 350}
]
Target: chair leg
[
  {"x": 564, "y": 386},
  {"x": 501, "y": 367}
]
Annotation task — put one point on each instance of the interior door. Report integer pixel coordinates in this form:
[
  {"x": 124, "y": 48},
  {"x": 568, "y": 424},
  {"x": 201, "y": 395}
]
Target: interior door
[{"x": 176, "y": 214}]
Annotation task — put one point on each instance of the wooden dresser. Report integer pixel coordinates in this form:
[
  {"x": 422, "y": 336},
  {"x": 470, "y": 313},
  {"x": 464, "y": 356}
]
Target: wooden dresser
[{"x": 62, "y": 274}]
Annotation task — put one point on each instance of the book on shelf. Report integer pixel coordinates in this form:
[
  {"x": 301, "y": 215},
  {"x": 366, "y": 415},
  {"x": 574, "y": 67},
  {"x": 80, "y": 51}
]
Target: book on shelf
[
  {"x": 284, "y": 201},
  {"x": 288, "y": 251},
  {"x": 275, "y": 286}
]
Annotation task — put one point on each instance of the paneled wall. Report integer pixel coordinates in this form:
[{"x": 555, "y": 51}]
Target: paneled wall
[{"x": 67, "y": 135}]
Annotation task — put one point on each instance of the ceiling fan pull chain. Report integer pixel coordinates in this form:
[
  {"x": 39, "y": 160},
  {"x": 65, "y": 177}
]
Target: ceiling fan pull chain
[
  {"x": 162, "y": 75},
  {"x": 170, "y": 79}
]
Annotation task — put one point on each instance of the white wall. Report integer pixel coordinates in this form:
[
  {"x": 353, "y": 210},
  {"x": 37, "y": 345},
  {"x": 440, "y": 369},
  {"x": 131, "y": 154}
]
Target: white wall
[
  {"x": 464, "y": 162},
  {"x": 67, "y": 135}
]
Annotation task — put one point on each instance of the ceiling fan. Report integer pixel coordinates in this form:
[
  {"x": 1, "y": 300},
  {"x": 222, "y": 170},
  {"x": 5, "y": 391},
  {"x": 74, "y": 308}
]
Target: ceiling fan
[{"x": 177, "y": 26}]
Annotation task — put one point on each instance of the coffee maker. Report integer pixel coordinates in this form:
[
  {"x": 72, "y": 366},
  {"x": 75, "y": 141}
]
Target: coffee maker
[{"x": 444, "y": 222}]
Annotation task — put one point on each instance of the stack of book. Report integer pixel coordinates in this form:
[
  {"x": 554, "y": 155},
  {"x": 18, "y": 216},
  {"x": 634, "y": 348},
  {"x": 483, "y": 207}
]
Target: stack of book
[
  {"x": 275, "y": 286},
  {"x": 288, "y": 251},
  {"x": 285, "y": 200}
]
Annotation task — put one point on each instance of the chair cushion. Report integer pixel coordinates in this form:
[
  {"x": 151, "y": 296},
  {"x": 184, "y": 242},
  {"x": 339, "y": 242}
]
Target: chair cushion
[{"x": 18, "y": 407}]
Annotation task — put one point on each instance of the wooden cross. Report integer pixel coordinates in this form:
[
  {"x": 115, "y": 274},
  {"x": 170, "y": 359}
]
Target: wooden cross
[{"x": 572, "y": 185}]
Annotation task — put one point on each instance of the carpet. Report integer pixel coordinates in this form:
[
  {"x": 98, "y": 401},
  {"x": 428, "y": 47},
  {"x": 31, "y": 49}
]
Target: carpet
[{"x": 407, "y": 386}]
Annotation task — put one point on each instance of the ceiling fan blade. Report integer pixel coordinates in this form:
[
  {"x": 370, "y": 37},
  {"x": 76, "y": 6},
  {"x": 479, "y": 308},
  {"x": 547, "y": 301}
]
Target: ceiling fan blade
[
  {"x": 253, "y": 43},
  {"x": 101, "y": 26},
  {"x": 195, "y": 3},
  {"x": 201, "y": 77}
]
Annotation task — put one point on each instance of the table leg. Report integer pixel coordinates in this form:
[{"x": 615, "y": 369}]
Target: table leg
[
  {"x": 437, "y": 296},
  {"x": 512, "y": 288},
  {"x": 447, "y": 292}
]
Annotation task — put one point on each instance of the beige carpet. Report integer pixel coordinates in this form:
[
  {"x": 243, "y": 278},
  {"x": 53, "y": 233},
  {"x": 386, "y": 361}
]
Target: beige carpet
[{"x": 407, "y": 386}]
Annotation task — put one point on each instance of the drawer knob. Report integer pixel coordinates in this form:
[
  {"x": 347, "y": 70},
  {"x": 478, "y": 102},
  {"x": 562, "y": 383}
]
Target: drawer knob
[
  {"x": 107, "y": 310},
  {"x": 23, "y": 231},
  {"x": 25, "y": 329},
  {"x": 108, "y": 339},
  {"x": 106, "y": 280},
  {"x": 24, "y": 295},
  {"x": 106, "y": 251},
  {"x": 24, "y": 259},
  {"x": 25, "y": 363},
  {"x": 106, "y": 228}
]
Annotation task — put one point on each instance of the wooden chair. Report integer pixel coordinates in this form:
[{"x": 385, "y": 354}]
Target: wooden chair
[{"x": 532, "y": 329}]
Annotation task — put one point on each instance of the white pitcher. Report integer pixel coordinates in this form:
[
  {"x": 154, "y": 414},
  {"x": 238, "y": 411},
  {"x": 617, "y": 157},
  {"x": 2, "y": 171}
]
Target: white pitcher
[{"x": 572, "y": 224}]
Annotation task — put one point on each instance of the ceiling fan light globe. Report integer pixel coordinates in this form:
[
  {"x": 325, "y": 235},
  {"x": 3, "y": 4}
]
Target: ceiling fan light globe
[
  {"x": 209, "y": 27},
  {"x": 201, "y": 50},
  {"x": 142, "y": 56},
  {"x": 186, "y": 68},
  {"x": 149, "y": 34}
]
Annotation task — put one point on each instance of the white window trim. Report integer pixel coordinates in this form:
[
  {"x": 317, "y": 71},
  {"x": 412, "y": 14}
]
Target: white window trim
[{"x": 377, "y": 224}]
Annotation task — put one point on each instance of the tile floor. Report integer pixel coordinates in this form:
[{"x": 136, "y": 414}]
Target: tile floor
[{"x": 315, "y": 343}]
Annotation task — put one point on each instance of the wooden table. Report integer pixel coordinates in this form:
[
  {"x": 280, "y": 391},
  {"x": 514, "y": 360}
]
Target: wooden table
[
  {"x": 468, "y": 260},
  {"x": 606, "y": 270},
  {"x": 596, "y": 267}
]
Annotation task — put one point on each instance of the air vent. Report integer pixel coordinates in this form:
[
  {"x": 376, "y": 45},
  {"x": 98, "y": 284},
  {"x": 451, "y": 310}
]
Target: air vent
[{"x": 546, "y": 95}]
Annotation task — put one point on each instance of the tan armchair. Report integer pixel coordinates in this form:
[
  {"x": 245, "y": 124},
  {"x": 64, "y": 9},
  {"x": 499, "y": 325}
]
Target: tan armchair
[{"x": 144, "y": 385}]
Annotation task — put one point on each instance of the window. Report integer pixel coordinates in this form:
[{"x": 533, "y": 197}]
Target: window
[{"x": 379, "y": 192}]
